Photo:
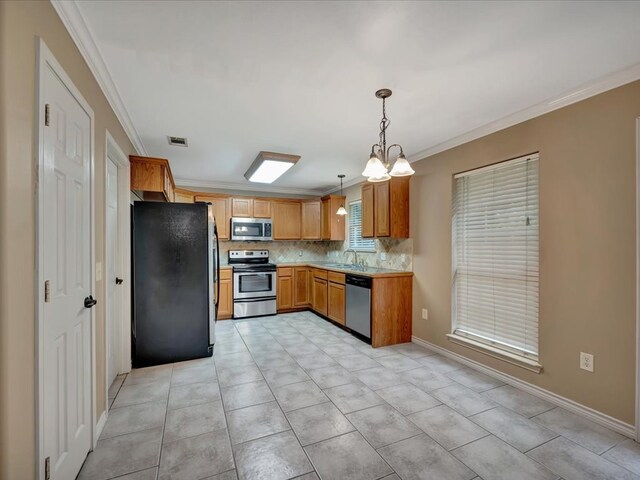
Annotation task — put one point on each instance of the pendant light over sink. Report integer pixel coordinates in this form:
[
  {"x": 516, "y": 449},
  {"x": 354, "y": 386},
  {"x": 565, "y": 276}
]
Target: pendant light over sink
[
  {"x": 377, "y": 169},
  {"x": 341, "y": 210}
]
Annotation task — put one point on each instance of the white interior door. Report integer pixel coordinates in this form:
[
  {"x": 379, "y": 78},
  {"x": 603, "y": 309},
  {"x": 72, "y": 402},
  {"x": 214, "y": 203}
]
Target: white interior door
[
  {"x": 66, "y": 247},
  {"x": 113, "y": 256}
]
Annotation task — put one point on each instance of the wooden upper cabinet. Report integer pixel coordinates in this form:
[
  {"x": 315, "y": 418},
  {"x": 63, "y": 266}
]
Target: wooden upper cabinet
[
  {"x": 367, "y": 211},
  {"x": 333, "y": 226},
  {"x": 250, "y": 207},
  {"x": 325, "y": 227},
  {"x": 261, "y": 208},
  {"x": 381, "y": 219},
  {"x": 399, "y": 207},
  {"x": 242, "y": 207},
  {"x": 385, "y": 208},
  {"x": 221, "y": 211},
  {"x": 151, "y": 178},
  {"x": 183, "y": 196},
  {"x": 286, "y": 216},
  {"x": 311, "y": 224}
]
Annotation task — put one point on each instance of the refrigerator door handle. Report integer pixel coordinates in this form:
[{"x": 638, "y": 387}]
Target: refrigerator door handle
[{"x": 215, "y": 233}]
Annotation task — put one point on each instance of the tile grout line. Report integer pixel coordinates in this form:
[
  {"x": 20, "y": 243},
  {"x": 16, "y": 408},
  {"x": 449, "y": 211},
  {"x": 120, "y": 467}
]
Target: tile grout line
[
  {"x": 164, "y": 424},
  {"x": 281, "y": 411}
]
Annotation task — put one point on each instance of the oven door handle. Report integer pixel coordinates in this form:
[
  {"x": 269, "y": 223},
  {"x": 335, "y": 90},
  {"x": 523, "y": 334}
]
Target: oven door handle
[{"x": 253, "y": 300}]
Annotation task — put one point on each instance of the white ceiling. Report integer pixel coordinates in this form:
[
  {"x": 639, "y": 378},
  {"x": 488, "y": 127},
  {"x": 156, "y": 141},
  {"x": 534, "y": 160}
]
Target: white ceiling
[{"x": 299, "y": 77}]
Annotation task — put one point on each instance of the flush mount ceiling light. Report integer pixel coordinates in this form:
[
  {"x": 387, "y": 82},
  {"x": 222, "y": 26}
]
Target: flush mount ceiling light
[
  {"x": 341, "y": 210},
  {"x": 377, "y": 169},
  {"x": 269, "y": 166}
]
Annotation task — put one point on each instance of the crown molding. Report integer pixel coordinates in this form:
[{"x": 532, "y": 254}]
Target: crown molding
[
  {"x": 608, "y": 82},
  {"x": 247, "y": 187},
  {"x": 74, "y": 21},
  {"x": 350, "y": 183}
]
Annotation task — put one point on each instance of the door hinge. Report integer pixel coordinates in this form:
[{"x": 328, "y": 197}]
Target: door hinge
[
  {"x": 46, "y": 291},
  {"x": 46, "y": 115},
  {"x": 47, "y": 468}
]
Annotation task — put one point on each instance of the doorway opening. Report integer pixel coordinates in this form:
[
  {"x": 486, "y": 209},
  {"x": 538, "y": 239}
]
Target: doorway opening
[{"x": 117, "y": 288}]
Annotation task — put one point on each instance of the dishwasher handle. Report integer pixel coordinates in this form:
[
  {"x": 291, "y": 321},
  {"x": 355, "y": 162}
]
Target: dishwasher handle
[{"x": 358, "y": 281}]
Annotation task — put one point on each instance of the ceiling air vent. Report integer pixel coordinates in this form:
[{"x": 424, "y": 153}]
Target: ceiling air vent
[{"x": 178, "y": 141}]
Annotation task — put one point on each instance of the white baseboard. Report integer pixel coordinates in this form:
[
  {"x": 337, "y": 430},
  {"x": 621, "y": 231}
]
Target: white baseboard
[
  {"x": 575, "y": 407},
  {"x": 100, "y": 426}
]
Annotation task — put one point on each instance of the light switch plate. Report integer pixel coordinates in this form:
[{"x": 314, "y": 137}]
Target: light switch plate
[
  {"x": 425, "y": 314},
  {"x": 586, "y": 362}
]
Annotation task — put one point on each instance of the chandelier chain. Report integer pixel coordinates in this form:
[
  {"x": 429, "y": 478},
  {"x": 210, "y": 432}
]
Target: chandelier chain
[{"x": 384, "y": 124}]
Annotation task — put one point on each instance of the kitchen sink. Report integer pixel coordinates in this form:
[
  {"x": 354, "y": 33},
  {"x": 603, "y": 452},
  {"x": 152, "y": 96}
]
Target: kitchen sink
[{"x": 347, "y": 266}]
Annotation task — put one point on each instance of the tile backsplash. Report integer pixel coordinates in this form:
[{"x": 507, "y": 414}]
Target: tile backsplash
[
  {"x": 399, "y": 253},
  {"x": 283, "y": 251}
]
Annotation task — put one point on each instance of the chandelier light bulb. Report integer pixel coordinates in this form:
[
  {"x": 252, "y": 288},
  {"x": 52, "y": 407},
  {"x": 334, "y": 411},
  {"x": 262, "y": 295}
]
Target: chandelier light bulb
[
  {"x": 374, "y": 167},
  {"x": 402, "y": 167}
]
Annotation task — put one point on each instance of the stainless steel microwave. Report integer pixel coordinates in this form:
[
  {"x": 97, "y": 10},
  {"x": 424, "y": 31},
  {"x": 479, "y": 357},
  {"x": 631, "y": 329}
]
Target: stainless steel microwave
[{"x": 256, "y": 229}]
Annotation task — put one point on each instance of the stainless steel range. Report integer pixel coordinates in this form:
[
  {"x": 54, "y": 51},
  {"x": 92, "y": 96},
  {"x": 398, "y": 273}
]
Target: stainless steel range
[{"x": 254, "y": 283}]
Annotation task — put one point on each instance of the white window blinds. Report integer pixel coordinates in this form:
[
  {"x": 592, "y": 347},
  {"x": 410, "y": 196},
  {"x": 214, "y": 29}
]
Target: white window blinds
[
  {"x": 495, "y": 256},
  {"x": 356, "y": 241}
]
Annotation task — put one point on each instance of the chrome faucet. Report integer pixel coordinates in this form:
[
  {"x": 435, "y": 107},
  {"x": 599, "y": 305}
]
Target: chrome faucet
[{"x": 355, "y": 255}]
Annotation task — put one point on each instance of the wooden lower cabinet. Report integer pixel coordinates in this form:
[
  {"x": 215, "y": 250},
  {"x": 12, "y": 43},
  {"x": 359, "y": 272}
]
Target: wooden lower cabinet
[
  {"x": 391, "y": 310},
  {"x": 324, "y": 291},
  {"x": 302, "y": 287},
  {"x": 284, "y": 297},
  {"x": 320, "y": 295},
  {"x": 225, "y": 301},
  {"x": 336, "y": 309}
]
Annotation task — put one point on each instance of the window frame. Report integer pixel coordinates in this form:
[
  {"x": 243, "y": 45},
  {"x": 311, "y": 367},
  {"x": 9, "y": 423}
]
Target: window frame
[
  {"x": 358, "y": 247},
  {"x": 482, "y": 343}
]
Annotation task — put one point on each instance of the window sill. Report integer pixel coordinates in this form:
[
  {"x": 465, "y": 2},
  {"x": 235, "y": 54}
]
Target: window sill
[{"x": 511, "y": 358}]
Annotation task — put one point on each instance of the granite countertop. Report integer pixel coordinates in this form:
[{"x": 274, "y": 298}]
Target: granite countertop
[{"x": 366, "y": 272}]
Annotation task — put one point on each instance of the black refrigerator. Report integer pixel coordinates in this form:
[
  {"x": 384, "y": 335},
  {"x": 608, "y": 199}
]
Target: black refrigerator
[{"x": 175, "y": 262}]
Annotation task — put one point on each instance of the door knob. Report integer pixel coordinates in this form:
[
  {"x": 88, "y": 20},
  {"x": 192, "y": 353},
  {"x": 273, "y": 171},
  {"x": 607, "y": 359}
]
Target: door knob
[
  {"x": 119, "y": 281},
  {"x": 89, "y": 301}
]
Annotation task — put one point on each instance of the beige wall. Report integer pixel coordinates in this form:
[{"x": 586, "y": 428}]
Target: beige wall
[
  {"x": 587, "y": 245},
  {"x": 20, "y": 23}
]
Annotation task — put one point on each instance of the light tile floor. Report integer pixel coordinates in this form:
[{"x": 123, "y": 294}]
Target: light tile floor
[{"x": 292, "y": 396}]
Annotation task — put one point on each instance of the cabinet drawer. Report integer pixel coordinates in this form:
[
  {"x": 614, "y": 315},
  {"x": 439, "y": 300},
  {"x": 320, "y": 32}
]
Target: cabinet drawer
[
  {"x": 285, "y": 271},
  {"x": 226, "y": 274},
  {"x": 336, "y": 277},
  {"x": 317, "y": 273}
]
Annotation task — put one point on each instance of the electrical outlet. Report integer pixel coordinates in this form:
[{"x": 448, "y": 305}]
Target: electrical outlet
[
  {"x": 586, "y": 362},
  {"x": 425, "y": 314},
  {"x": 383, "y": 256},
  {"x": 300, "y": 253}
]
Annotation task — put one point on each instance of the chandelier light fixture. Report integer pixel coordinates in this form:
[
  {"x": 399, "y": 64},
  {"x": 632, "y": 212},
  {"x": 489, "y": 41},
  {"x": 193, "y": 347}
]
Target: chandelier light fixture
[
  {"x": 341, "y": 210},
  {"x": 377, "y": 169}
]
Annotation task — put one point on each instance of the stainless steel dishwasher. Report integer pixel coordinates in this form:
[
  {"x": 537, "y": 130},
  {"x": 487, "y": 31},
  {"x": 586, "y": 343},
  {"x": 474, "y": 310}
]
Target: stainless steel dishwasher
[{"x": 359, "y": 304}]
